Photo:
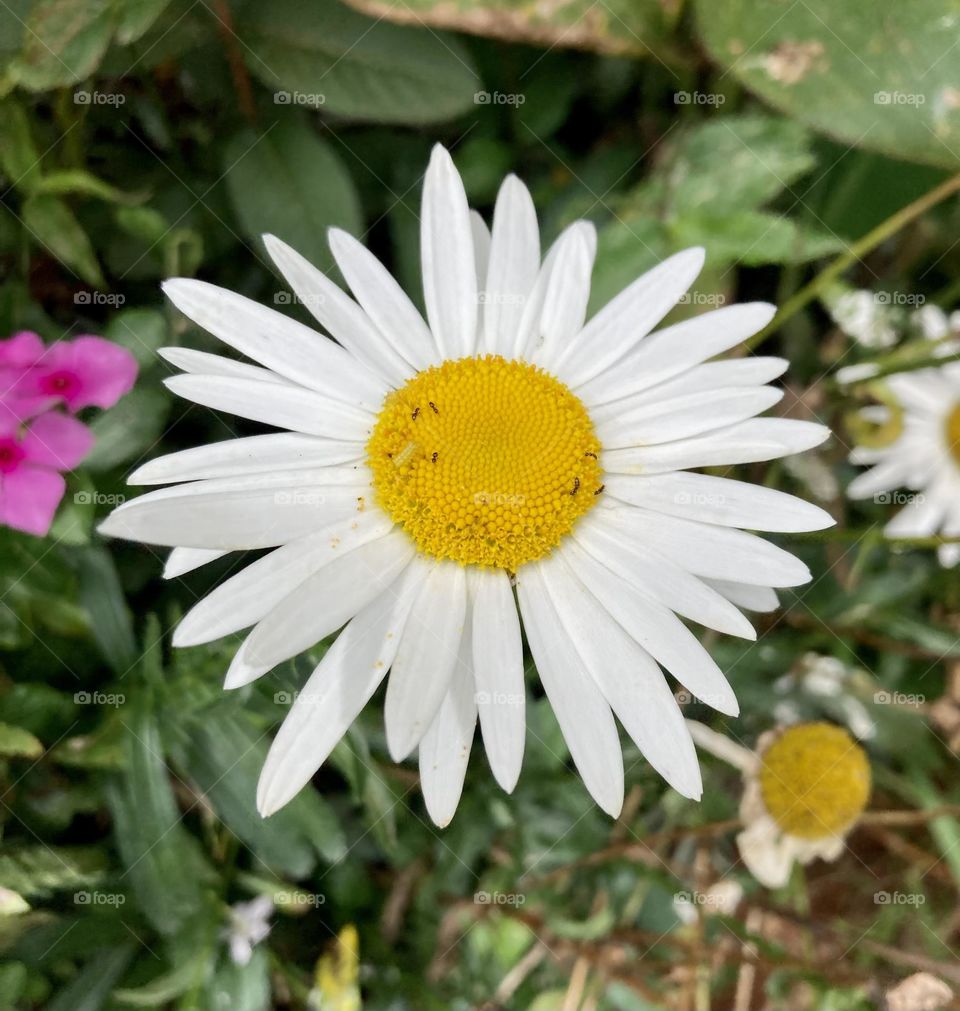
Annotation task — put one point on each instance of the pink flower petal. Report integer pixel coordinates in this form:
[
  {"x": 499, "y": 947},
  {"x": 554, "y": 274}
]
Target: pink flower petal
[
  {"x": 56, "y": 440},
  {"x": 29, "y": 497},
  {"x": 21, "y": 350},
  {"x": 88, "y": 371}
]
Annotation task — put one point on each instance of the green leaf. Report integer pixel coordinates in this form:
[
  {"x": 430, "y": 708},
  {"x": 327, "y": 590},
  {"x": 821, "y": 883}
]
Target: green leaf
[
  {"x": 137, "y": 17},
  {"x": 163, "y": 862},
  {"x": 67, "y": 181},
  {"x": 289, "y": 182},
  {"x": 102, "y": 596},
  {"x": 167, "y": 987},
  {"x": 40, "y": 870},
  {"x": 141, "y": 331},
  {"x": 19, "y": 743},
  {"x": 616, "y": 27},
  {"x": 129, "y": 429},
  {"x": 64, "y": 42},
  {"x": 90, "y": 988},
  {"x": 243, "y": 987},
  {"x": 54, "y": 228},
  {"x": 321, "y": 53},
  {"x": 19, "y": 157},
  {"x": 871, "y": 75}
]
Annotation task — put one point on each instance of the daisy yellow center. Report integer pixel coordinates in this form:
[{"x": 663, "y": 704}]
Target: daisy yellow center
[
  {"x": 485, "y": 461},
  {"x": 953, "y": 433},
  {"x": 815, "y": 780}
]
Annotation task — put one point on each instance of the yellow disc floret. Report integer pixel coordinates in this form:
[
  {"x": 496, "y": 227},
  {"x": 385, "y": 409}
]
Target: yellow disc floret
[
  {"x": 815, "y": 780},
  {"x": 953, "y": 433},
  {"x": 485, "y": 461}
]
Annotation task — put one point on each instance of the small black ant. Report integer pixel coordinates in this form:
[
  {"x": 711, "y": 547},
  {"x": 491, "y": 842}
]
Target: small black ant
[
  {"x": 600, "y": 489},
  {"x": 576, "y": 486},
  {"x": 433, "y": 459},
  {"x": 433, "y": 407},
  {"x": 416, "y": 414},
  {"x": 594, "y": 455}
]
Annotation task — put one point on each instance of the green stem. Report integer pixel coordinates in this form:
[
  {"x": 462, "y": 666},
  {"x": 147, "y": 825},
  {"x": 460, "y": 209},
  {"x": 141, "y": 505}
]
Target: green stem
[
  {"x": 834, "y": 534},
  {"x": 856, "y": 252}
]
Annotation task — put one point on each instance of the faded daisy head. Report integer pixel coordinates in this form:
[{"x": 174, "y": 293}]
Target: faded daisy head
[{"x": 430, "y": 467}]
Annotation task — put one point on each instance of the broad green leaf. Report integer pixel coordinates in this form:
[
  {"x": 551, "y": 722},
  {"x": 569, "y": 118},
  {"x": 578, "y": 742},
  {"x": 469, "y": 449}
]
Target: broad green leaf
[
  {"x": 90, "y": 988},
  {"x": 16, "y": 742},
  {"x": 289, "y": 182},
  {"x": 141, "y": 332},
  {"x": 872, "y": 74},
  {"x": 64, "y": 42},
  {"x": 615, "y": 27},
  {"x": 163, "y": 863},
  {"x": 137, "y": 17},
  {"x": 39, "y": 870},
  {"x": 102, "y": 596},
  {"x": 320, "y": 53},
  {"x": 128, "y": 430},
  {"x": 19, "y": 157},
  {"x": 53, "y": 227}
]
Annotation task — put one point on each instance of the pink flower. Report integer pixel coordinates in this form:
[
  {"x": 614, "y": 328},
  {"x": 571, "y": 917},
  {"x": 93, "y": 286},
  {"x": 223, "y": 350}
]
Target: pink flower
[
  {"x": 85, "y": 372},
  {"x": 30, "y": 460}
]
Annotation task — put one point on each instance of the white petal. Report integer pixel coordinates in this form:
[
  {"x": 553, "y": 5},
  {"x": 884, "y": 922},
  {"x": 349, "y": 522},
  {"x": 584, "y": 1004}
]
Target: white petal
[
  {"x": 334, "y": 694},
  {"x": 707, "y": 377},
  {"x": 629, "y": 317},
  {"x": 204, "y": 363},
  {"x": 514, "y": 262},
  {"x": 566, "y": 298},
  {"x": 498, "y": 670},
  {"x": 686, "y": 416},
  {"x": 753, "y": 441},
  {"x": 481, "y": 247},
  {"x": 338, "y": 314},
  {"x": 712, "y": 551},
  {"x": 658, "y": 630},
  {"x": 583, "y": 713},
  {"x": 762, "y": 848},
  {"x": 528, "y": 335},
  {"x": 891, "y": 473},
  {"x": 253, "y": 592},
  {"x": 328, "y": 599},
  {"x": 719, "y": 500},
  {"x": 180, "y": 561},
  {"x": 297, "y": 410},
  {"x": 445, "y": 748},
  {"x": 257, "y": 454},
  {"x": 628, "y": 678},
  {"x": 209, "y": 515},
  {"x": 449, "y": 266},
  {"x": 426, "y": 658},
  {"x": 752, "y": 598},
  {"x": 241, "y": 672},
  {"x": 657, "y": 577},
  {"x": 272, "y": 339},
  {"x": 675, "y": 349},
  {"x": 383, "y": 300}
]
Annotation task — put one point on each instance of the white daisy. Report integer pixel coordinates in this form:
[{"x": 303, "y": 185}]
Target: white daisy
[
  {"x": 249, "y": 924},
  {"x": 913, "y": 441},
  {"x": 805, "y": 788},
  {"x": 430, "y": 466}
]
